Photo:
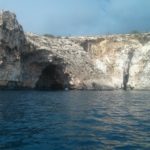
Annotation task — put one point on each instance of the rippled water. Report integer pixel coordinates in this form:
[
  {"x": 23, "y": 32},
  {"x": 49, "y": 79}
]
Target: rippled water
[{"x": 78, "y": 120}]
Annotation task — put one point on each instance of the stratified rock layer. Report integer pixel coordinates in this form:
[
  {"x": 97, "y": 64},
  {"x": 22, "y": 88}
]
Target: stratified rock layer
[{"x": 45, "y": 62}]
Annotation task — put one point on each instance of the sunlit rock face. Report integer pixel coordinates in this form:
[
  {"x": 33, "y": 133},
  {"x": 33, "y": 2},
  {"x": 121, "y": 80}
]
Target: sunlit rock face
[
  {"x": 112, "y": 62},
  {"x": 124, "y": 59}
]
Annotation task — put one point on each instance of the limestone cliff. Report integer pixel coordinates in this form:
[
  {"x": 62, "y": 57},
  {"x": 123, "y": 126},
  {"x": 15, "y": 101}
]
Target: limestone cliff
[
  {"x": 28, "y": 60},
  {"x": 12, "y": 43}
]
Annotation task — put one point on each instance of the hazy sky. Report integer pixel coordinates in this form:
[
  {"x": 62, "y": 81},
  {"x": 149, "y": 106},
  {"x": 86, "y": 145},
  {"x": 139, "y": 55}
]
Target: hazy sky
[{"x": 80, "y": 17}]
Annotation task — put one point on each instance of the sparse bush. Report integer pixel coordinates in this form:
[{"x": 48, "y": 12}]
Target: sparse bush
[
  {"x": 135, "y": 32},
  {"x": 143, "y": 39},
  {"x": 49, "y": 35},
  {"x": 52, "y": 36}
]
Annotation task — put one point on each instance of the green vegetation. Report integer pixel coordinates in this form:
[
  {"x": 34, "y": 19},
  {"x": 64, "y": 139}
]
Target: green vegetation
[
  {"x": 135, "y": 32},
  {"x": 50, "y": 35}
]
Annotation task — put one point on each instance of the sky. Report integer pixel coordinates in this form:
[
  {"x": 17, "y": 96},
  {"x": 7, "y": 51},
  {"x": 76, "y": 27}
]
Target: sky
[{"x": 81, "y": 17}]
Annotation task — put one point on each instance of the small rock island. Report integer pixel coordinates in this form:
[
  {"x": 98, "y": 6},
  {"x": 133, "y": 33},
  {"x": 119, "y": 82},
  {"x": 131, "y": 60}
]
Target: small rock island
[{"x": 31, "y": 61}]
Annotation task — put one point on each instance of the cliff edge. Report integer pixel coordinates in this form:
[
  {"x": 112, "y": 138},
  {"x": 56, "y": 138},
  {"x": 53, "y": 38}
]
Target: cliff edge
[{"x": 110, "y": 62}]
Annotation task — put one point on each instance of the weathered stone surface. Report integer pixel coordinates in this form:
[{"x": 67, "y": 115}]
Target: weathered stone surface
[
  {"x": 28, "y": 60},
  {"x": 12, "y": 43}
]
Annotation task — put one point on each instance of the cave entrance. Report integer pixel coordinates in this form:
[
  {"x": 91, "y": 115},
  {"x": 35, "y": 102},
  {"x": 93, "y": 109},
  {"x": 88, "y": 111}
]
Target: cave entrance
[{"x": 52, "y": 78}]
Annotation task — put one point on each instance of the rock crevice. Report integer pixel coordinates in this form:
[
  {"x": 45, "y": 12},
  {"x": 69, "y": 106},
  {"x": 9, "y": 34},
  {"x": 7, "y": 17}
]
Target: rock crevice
[{"x": 126, "y": 70}]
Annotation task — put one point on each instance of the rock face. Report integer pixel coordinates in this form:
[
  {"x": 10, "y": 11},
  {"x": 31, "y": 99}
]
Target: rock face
[
  {"x": 12, "y": 43},
  {"x": 45, "y": 62}
]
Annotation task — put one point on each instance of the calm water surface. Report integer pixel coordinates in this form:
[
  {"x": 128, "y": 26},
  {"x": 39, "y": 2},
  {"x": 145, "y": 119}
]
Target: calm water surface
[{"x": 76, "y": 120}]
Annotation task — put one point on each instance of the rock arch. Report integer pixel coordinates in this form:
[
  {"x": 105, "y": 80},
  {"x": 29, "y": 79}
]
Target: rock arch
[{"x": 53, "y": 77}]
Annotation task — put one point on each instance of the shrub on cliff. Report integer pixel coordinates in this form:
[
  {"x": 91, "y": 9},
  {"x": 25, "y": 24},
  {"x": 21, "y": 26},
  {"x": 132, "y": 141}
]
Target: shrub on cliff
[{"x": 49, "y": 35}]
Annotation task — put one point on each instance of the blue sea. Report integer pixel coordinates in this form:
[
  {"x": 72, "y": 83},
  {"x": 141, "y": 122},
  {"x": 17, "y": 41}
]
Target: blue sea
[{"x": 75, "y": 120}]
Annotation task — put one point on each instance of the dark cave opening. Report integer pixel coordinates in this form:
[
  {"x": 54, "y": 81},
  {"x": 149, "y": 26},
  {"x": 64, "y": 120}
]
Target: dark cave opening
[{"x": 52, "y": 78}]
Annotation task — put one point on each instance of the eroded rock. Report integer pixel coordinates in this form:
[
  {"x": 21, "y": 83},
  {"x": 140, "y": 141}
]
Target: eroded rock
[
  {"x": 12, "y": 43},
  {"x": 112, "y": 62}
]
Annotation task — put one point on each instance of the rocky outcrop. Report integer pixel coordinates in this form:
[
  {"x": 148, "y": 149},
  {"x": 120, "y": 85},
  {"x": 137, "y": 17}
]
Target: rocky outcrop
[
  {"x": 12, "y": 43},
  {"x": 28, "y": 60}
]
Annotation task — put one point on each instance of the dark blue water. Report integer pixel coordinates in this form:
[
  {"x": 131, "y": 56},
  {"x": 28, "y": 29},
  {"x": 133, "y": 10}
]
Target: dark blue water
[{"x": 76, "y": 120}]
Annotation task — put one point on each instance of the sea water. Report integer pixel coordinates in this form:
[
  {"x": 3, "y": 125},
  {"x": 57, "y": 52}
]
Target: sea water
[{"x": 74, "y": 120}]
